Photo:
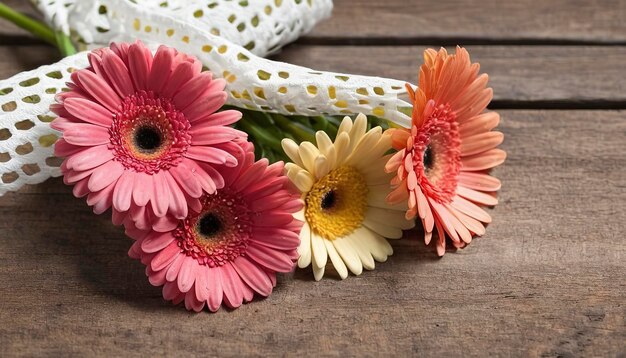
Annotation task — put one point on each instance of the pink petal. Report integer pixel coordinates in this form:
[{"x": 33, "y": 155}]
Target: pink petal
[
  {"x": 187, "y": 179},
  {"x": 208, "y": 135},
  {"x": 213, "y": 175},
  {"x": 123, "y": 191},
  {"x": 86, "y": 135},
  {"x": 165, "y": 223},
  {"x": 156, "y": 241},
  {"x": 160, "y": 196},
  {"x": 216, "y": 292},
  {"x": 192, "y": 303},
  {"x": 80, "y": 189},
  {"x": 161, "y": 68},
  {"x": 165, "y": 257},
  {"x": 202, "y": 286},
  {"x": 187, "y": 274},
  {"x": 88, "y": 111},
  {"x": 99, "y": 89},
  {"x": 178, "y": 204},
  {"x": 253, "y": 276},
  {"x": 192, "y": 90},
  {"x": 204, "y": 111},
  {"x": 183, "y": 73},
  {"x": 174, "y": 268},
  {"x": 157, "y": 278},
  {"x": 170, "y": 291},
  {"x": 211, "y": 155},
  {"x": 143, "y": 190},
  {"x": 101, "y": 200},
  {"x": 64, "y": 149},
  {"x": 232, "y": 286},
  {"x": 272, "y": 259},
  {"x": 272, "y": 219},
  {"x": 118, "y": 74},
  {"x": 224, "y": 118},
  {"x": 138, "y": 65},
  {"x": 251, "y": 174},
  {"x": 90, "y": 158},
  {"x": 276, "y": 241},
  {"x": 105, "y": 174}
]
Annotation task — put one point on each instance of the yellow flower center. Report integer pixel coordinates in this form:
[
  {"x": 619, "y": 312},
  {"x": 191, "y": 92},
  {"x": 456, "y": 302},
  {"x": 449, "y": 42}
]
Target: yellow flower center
[{"x": 336, "y": 204}]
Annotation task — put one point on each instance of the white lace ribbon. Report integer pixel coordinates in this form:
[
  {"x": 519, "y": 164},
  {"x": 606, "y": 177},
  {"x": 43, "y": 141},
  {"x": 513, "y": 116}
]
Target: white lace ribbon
[{"x": 262, "y": 26}]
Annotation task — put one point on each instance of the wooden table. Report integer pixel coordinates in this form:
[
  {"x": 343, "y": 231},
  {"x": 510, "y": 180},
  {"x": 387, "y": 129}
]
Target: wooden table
[{"x": 548, "y": 278}]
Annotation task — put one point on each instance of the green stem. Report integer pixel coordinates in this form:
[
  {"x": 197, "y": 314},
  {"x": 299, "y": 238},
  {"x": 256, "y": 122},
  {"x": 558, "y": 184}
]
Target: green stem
[
  {"x": 33, "y": 26},
  {"x": 64, "y": 44},
  {"x": 297, "y": 129},
  {"x": 260, "y": 134}
]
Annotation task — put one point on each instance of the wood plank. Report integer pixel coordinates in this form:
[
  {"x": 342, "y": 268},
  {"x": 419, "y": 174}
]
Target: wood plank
[
  {"x": 548, "y": 278},
  {"x": 518, "y": 74},
  {"x": 459, "y": 21},
  {"x": 600, "y": 21}
]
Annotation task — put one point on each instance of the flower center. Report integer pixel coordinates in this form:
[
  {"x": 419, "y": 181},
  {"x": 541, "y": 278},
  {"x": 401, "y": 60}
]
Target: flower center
[
  {"x": 219, "y": 233},
  {"x": 436, "y": 153},
  {"x": 148, "y": 134},
  {"x": 337, "y": 203},
  {"x": 148, "y": 139},
  {"x": 209, "y": 225},
  {"x": 428, "y": 158}
]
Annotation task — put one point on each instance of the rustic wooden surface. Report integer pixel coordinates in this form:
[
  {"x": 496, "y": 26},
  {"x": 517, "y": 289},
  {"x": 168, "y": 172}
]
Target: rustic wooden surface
[{"x": 548, "y": 279}]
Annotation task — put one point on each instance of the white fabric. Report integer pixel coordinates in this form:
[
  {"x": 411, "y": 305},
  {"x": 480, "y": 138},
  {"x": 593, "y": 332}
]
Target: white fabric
[{"x": 264, "y": 26}]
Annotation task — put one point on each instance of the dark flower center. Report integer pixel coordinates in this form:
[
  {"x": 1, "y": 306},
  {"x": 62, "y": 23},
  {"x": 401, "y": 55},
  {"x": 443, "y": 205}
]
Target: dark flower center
[
  {"x": 428, "y": 158},
  {"x": 148, "y": 139},
  {"x": 329, "y": 200},
  {"x": 209, "y": 225}
]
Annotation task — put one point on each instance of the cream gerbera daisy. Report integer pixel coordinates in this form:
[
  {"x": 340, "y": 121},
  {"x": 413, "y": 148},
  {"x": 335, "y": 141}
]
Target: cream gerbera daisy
[{"x": 344, "y": 186}]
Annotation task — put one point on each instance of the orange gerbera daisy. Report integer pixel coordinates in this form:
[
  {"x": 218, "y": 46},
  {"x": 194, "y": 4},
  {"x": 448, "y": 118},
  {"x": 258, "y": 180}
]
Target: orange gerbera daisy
[{"x": 443, "y": 160}]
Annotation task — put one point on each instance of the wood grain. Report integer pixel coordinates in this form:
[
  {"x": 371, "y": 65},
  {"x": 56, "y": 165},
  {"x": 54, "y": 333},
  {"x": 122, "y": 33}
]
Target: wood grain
[
  {"x": 548, "y": 278},
  {"x": 412, "y": 21},
  {"x": 519, "y": 21}
]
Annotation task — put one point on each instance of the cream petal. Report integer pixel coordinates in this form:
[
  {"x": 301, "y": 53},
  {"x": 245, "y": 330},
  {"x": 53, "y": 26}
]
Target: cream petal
[
  {"x": 342, "y": 147},
  {"x": 385, "y": 230},
  {"x": 304, "y": 250},
  {"x": 304, "y": 181},
  {"x": 320, "y": 255},
  {"x": 292, "y": 150},
  {"x": 318, "y": 271},
  {"x": 321, "y": 166},
  {"x": 344, "y": 127},
  {"x": 358, "y": 243},
  {"x": 336, "y": 260},
  {"x": 308, "y": 153},
  {"x": 389, "y": 217},
  {"x": 349, "y": 256}
]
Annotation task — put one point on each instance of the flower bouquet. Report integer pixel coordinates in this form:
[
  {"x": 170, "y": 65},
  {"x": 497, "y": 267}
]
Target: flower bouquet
[{"x": 226, "y": 168}]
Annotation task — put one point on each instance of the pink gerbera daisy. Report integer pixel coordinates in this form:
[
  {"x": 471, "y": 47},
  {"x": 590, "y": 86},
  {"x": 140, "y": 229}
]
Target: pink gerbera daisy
[
  {"x": 443, "y": 160},
  {"x": 231, "y": 244},
  {"x": 141, "y": 130}
]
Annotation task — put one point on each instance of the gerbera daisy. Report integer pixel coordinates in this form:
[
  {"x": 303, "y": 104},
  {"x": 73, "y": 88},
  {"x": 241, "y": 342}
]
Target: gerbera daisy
[
  {"x": 231, "y": 245},
  {"x": 141, "y": 129},
  {"x": 343, "y": 185},
  {"x": 443, "y": 162}
]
